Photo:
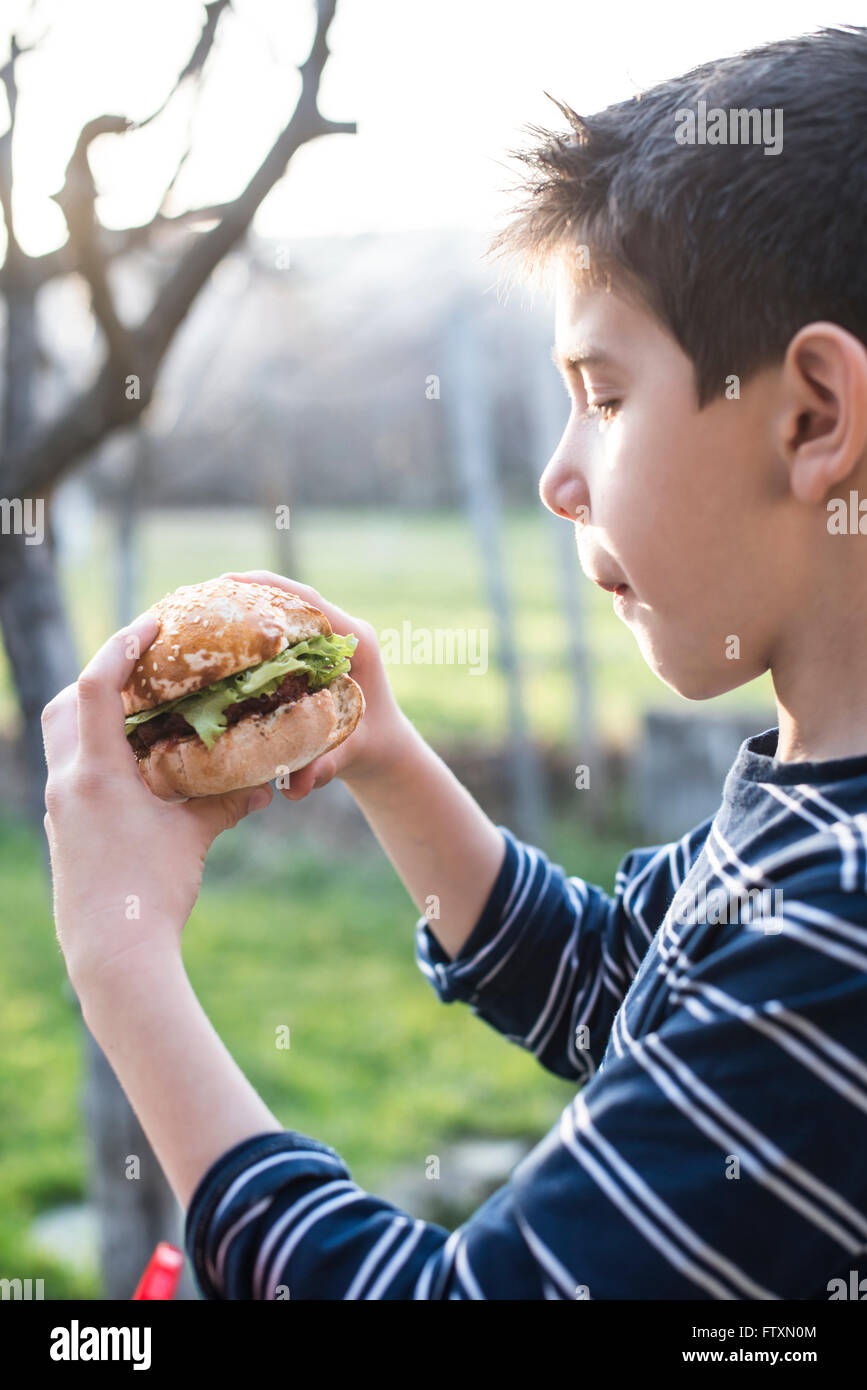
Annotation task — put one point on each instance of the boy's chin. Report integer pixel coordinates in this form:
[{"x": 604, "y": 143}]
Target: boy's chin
[{"x": 702, "y": 682}]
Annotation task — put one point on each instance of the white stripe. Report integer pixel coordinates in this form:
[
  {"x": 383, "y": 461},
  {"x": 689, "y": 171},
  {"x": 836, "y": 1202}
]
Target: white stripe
[
  {"x": 222, "y": 1248},
  {"x": 580, "y": 1015},
  {"x": 829, "y": 1045},
  {"x": 521, "y": 937},
  {"x": 699, "y": 1011},
  {"x": 837, "y": 812},
  {"x": 632, "y": 908},
  {"x": 794, "y": 805},
  {"x": 641, "y": 1222},
  {"x": 748, "y": 872},
  {"x": 778, "y": 1034},
  {"x": 399, "y": 1258},
  {"x": 662, "y": 1212},
  {"x": 388, "y": 1238},
  {"x": 554, "y": 996},
  {"x": 443, "y": 1261},
  {"x": 324, "y": 1209},
  {"x": 272, "y": 1161},
  {"x": 285, "y": 1220},
  {"x": 820, "y": 917},
  {"x": 821, "y": 943},
  {"x": 784, "y": 1186},
  {"x": 629, "y": 948},
  {"x": 528, "y": 862},
  {"x": 617, "y": 994},
  {"x": 423, "y": 1282},
  {"x": 561, "y": 1276},
  {"x": 608, "y": 959},
  {"x": 465, "y": 1273},
  {"x": 842, "y": 827}
]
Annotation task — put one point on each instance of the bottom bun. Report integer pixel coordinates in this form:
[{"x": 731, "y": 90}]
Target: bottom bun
[{"x": 257, "y": 748}]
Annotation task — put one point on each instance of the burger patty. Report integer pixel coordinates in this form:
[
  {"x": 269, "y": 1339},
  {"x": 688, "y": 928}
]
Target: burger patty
[{"x": 175, "y": 726}]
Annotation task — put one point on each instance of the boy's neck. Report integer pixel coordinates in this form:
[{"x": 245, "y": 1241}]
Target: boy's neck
[{"x": 821, "y": 696}]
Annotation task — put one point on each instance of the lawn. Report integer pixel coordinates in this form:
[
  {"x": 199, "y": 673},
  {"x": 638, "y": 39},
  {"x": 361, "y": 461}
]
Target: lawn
[{"x": 377, "y": 1066}]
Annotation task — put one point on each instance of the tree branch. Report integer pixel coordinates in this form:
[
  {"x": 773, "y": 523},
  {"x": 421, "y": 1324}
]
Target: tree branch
[
  {"x": 198, "y": 58},
  {"x": 32, "y": 470},
  {"x": 7, "y": 77},
  {"x": 65, "y": 259},
  {"x": 77, "y": 201}
]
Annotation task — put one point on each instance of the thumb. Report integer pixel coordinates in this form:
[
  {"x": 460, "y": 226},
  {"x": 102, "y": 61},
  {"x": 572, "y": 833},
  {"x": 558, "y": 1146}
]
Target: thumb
[{"x": 218, "y": 813}]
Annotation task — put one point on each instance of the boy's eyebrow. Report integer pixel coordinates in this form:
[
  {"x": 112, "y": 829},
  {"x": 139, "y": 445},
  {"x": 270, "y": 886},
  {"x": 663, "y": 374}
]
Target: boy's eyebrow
[{"x": 588, "y": 356}]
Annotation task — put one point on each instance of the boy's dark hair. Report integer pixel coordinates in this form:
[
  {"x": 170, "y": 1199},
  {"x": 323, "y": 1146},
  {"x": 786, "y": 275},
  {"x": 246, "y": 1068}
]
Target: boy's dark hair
[{"x": 732, "y": 249}]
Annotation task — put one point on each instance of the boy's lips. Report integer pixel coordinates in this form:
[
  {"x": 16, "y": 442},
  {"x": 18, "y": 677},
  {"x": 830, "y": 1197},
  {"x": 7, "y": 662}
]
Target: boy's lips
[
  {"x": 622, "y": 592},
  {"x": 612, "y": 588}
]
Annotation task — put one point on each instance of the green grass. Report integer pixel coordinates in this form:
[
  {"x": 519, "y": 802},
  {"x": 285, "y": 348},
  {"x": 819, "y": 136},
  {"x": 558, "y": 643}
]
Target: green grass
[
  {"x": 42, "y": 1151},
  {"x": 377, "y": 1067}
]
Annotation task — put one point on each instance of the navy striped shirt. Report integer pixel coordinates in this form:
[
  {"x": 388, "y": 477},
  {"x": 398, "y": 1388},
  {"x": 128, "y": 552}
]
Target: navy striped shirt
[{"x": 713, "y": 1015}]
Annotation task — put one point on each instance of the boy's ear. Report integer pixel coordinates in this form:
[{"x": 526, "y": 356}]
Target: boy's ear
[{"x": 823, "y": 426}]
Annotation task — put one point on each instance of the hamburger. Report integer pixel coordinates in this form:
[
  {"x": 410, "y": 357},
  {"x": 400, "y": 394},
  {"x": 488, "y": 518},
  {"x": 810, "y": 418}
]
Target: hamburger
[{"x": 242, "y": 683}]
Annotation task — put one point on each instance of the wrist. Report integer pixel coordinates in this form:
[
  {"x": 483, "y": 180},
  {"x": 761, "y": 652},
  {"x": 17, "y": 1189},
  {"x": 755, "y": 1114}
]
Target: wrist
[
  {"x": 128, "y": 972},
  {"x": 396, "y": 748}
]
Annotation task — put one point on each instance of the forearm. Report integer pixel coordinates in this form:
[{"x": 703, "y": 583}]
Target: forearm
[
  {"x": 443, "y": 846},
  {"x": 191, "y": 1098}
]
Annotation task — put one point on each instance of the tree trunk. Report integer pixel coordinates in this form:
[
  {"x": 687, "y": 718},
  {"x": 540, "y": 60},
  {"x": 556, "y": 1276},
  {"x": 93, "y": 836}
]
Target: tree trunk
[{"x": 40, "y": 649}]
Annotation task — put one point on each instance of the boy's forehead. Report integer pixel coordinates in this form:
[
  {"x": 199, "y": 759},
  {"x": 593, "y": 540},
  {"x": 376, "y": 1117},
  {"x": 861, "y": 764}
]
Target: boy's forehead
[
  {"x": 593, "y": 317},
  {"x": 586, "y": 324}
]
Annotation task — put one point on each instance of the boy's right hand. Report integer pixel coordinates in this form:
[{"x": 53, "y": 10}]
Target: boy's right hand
[
  {"x": 376, "y": 741},
  {"x": 439, "y": 840}
]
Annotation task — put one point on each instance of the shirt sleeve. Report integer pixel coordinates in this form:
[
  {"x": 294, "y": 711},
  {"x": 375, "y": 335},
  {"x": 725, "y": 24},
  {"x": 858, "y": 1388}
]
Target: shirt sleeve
[
  {"x": 718, "y": 1155},
  {"x": 551, "y": 956}
]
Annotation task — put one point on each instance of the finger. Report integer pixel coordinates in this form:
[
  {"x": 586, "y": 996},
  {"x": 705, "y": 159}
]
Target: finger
[
  {"x": 219, "y": 813},
  {"x": 300, "y": 783},
  {"x": 310, "y": 778},
  {"x": 336, "y": 616},
  {"x": 277, "y": 581},
  {"x": 60, "y": 728},
  {"x": 101, "y": 735}
]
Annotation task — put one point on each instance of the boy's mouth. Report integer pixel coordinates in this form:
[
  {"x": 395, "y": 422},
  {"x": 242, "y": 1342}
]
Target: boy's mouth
[
  {"x": 620, "y": 590},
  {"x": 622, "y": 595}
]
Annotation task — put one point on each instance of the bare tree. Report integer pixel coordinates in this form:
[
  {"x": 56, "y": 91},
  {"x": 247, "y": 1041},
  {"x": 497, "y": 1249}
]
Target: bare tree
[{"x": 34, "y": 457}]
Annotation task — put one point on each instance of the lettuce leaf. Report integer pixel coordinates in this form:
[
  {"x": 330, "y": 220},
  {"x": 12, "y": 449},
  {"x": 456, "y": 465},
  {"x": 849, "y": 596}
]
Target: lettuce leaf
[{"x": 319, "y": 658}]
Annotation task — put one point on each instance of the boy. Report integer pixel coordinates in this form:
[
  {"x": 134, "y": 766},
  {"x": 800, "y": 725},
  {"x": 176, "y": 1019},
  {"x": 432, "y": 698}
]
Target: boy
[{"x": 711, "y": 326}]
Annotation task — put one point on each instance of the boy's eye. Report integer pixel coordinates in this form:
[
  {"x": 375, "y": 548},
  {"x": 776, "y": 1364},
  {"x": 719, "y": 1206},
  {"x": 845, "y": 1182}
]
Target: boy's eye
[{"x": 604, "y": 410}]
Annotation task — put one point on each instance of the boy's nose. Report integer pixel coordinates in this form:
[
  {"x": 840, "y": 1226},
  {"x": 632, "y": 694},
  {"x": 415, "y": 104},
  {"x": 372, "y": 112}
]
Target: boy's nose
[{"x": 563, "y": 489}]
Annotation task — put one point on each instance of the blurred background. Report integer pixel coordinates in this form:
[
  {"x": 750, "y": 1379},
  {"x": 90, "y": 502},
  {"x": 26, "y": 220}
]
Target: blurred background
[{"x": 247, "y": 321}]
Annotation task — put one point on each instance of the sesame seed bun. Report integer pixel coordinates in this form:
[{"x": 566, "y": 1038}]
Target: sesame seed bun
[{"x": 213, "y": 630}]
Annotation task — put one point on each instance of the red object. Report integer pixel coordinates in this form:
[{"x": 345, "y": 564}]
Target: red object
[{"x": 163, "y": 1273}]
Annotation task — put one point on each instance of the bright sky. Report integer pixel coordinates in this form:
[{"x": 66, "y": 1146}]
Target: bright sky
[{"x": 440, "y": 93}]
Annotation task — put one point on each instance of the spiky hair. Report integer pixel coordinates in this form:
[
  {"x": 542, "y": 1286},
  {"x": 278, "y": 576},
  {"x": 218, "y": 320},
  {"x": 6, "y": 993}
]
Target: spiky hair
[{"x": 731, "y": 248}]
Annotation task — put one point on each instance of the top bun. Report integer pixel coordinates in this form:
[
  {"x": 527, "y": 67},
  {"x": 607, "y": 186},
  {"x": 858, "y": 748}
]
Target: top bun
[{"x": 212, "y": 630}]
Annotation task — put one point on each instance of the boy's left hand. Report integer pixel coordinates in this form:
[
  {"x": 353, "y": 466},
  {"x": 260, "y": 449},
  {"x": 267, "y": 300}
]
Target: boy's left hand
[{"x": 126, "y": 866}]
